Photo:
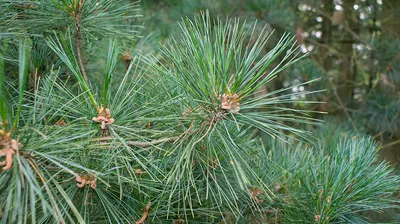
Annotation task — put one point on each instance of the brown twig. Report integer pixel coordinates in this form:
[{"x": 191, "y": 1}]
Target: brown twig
[
  {"x": 154, "y": 142},
  {"x": 390, "y": 144},
  {"x": 146, "y": 211},
  {"x": 78, "y": 51},
  {"x": 343, "y": 106},
  {"x": 45, "y": 184},
  {"x": 78, "y": 38}
]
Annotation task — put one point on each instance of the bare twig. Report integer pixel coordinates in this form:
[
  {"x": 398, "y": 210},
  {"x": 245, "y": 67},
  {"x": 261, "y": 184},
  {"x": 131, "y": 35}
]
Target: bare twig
[
  {"x": 343, "y": 106},
  {"x": 45, "y": 184},
  {"x": 146, "y": 211},
  {"x": 78, "y": 38},
  {"x": 150, "y": 143},
  {"x": 390, "y": 144},
  {"x": 78, "y": 45}
]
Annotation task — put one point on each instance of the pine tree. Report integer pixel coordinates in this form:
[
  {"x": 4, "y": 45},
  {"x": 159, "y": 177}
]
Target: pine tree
[{"x": 99, "y": 127}]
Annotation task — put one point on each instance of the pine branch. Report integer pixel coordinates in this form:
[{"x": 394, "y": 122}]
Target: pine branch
[{"x": 78, "y": 37}]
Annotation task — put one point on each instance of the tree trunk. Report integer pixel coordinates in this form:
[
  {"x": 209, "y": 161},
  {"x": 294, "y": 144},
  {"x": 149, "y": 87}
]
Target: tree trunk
[{"x": 345, "y": 84}]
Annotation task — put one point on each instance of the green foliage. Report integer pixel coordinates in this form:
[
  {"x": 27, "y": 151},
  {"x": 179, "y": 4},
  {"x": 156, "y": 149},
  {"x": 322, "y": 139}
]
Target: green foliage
[
  {"x": 334, "y": 187},
  {"x": 206, "y": 65},
  {"x": 96, "y": 19},
  {"x": 203, "y": 130}
]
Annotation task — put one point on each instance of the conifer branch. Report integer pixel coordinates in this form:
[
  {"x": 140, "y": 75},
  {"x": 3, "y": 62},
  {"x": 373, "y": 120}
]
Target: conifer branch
[
  {"x": 236, "y": 154},
  {"x": 78, "y": 38}
]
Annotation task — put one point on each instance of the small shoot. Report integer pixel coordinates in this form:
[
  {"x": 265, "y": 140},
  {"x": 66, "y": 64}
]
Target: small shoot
[
  {"x": 104, "y": 118},
  {"x": 88, "y": 179},
  {"x": 64, "y": 52},
  {"x": 9, "y": 146},
  {"x": 104, "y": 114},
  {"x": 62, "y": 48},
  {"x": 111, "y": 62}
]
